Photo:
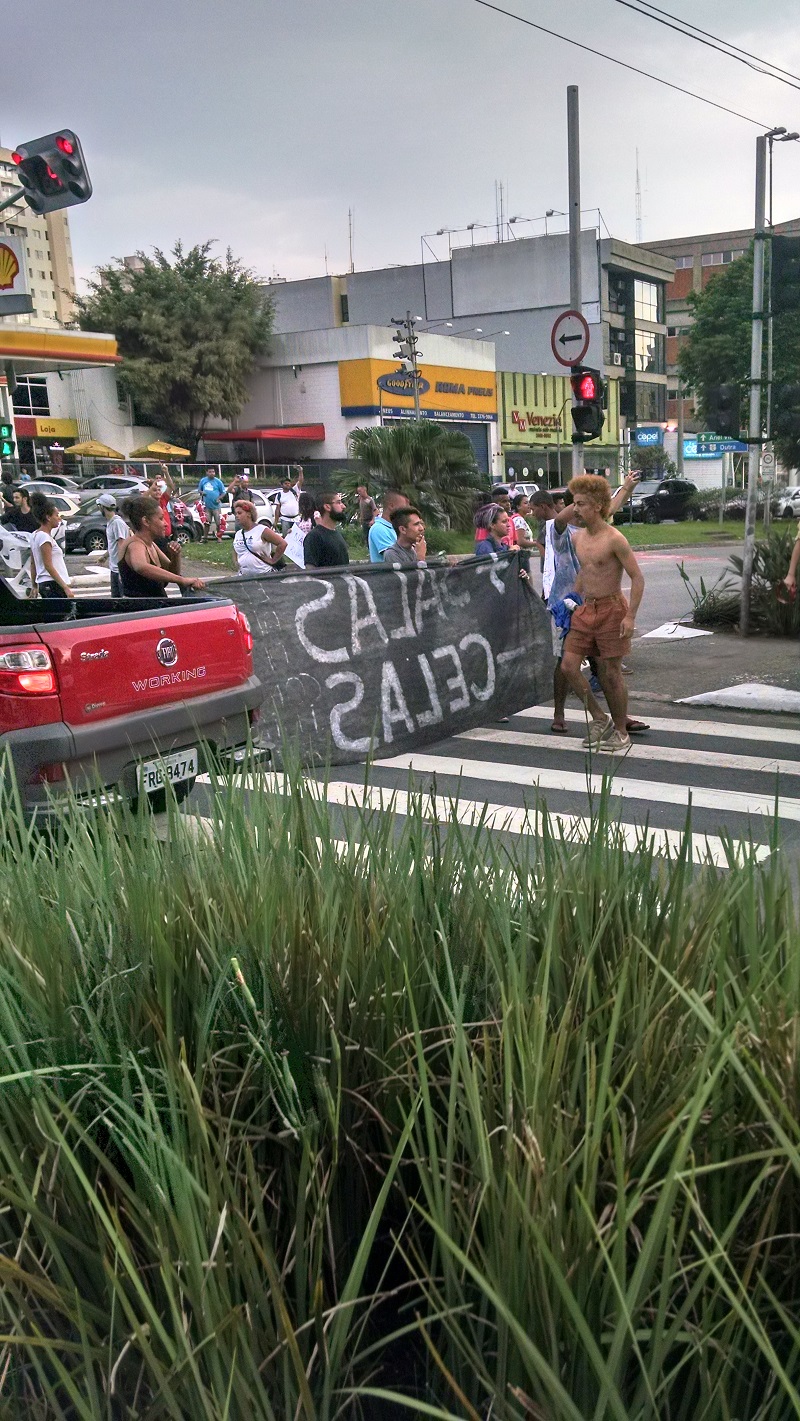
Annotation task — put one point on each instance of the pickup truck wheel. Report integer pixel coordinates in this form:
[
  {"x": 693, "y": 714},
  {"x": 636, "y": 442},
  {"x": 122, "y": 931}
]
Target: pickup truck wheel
[{"x": 95, "y": 542}]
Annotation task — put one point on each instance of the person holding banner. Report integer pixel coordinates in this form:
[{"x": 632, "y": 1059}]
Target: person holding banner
[{"x": 256, "y": 548}]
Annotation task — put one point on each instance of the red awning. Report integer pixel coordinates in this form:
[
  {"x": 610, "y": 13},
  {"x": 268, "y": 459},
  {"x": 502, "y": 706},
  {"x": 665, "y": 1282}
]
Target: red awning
[{"x": 314, "y": 433}]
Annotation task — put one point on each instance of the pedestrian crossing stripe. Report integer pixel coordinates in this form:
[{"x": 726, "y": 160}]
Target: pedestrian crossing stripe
[
  {"x": 714, "y": 729},
  {"x": 579, "y": 782},
  {"x": 669, "y": 754},
  {"x": 502, "y": 818}
]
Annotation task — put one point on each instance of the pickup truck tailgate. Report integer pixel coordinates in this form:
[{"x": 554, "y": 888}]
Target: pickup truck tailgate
[{"x": 145, "y": 660}]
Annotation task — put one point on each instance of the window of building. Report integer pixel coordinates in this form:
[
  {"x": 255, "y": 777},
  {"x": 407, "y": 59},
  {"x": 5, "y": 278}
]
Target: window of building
[
  {"x": 345, "y": 305},
  {"x": 42, "y": 276},
  {"x": 618, "y": 288},
  {"x": 30, "y": 396},
  {"x": 672, "y": 330},
  {"x": 720, "y": 258},
  {"x": 651, "y": 402},
  {"x": 649, "y": 353},
  {"x": 645, "y": 300},
  {"x": 672, "y": 394},
  {"x": 681, "y": 263}
]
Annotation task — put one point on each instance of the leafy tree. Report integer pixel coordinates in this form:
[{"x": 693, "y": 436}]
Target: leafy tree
[
  {"x": 652, "y": 462},
  {"x": 717, "y": 349},
  {"x": 189, "y": 328},
  {"x": 432, "y": 465}
]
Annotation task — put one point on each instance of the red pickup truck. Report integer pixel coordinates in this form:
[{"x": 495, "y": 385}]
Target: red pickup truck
[{"x": 117, "y": 700}]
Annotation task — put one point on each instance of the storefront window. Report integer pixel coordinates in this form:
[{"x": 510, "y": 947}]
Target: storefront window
[
  {"x": 30, "y": 396},
  {"x": 649, "y": 353},
  {"x": 645, "y": 300}
]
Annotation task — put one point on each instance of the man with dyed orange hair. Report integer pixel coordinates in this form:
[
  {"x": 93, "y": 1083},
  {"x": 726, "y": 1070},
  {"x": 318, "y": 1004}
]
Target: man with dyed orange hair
[{"x": 603, "y": 625}]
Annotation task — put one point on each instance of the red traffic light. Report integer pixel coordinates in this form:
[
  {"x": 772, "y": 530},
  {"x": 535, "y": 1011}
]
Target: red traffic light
[
  {"x": 65, "y": 145},
  {"x": 16, "y": 158}
]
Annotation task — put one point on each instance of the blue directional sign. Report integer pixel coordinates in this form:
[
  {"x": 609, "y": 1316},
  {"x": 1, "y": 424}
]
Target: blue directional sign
[{"x": 713, "y": 447}]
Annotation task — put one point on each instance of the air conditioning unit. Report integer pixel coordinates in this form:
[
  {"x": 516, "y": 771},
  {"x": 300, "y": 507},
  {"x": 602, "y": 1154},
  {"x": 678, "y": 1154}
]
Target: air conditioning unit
[{"x": 616, "y": 357}]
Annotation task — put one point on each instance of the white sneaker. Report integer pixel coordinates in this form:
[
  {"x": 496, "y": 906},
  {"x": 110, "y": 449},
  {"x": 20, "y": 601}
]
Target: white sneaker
[
  {"x": 598, "y": 730},
  {"x": 615, "y": 743}
]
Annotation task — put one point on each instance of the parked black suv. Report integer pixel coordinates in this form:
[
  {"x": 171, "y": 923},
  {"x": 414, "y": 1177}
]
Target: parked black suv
[{"x": 656, "y": 499}]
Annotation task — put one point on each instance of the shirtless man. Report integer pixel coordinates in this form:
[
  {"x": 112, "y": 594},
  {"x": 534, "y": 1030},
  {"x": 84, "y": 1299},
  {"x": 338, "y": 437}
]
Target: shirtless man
[{"x": 602, "y": 627}]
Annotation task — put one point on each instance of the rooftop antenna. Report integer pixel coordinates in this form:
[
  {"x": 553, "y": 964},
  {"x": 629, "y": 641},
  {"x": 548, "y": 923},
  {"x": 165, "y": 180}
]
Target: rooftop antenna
[
  {"x": 350, "y": 225},
  {"x": 639, "y": 225}
]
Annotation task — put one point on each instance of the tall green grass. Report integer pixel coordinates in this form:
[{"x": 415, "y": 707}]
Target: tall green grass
[{"x": 309, "y": 1118}]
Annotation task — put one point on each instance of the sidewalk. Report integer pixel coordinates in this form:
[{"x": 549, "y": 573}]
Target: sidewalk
[{"x": 672, "y": 671}]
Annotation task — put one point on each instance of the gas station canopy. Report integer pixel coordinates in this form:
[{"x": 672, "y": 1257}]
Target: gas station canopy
[{"x": 36, "y": 351}]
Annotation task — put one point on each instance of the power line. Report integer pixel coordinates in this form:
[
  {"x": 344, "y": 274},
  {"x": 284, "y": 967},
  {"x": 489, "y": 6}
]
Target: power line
[
  {"x": 662, "y": 17},
  {"x": 735, "y": 47},
  {"x": 643, "y": 73}
]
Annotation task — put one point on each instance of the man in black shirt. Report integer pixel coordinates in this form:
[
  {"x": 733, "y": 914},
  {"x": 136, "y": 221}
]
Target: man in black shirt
[
  {"x": 20, "y": 516},
  {"x": 324, "y": 545}
]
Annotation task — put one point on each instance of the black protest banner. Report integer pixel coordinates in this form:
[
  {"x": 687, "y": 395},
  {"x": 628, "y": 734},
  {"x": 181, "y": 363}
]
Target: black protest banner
[{"x": 371, "y": 660}]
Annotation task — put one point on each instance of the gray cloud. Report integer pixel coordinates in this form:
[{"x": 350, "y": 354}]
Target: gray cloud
[{"x": 260, "y": 122}]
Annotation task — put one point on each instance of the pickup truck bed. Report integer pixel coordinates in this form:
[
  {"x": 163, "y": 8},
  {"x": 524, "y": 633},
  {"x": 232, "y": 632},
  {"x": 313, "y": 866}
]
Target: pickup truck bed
[{"x": 95, "y": 694}]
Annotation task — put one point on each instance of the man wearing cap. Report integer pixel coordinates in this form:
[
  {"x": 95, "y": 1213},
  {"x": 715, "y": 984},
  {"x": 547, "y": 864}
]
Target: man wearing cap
[{"x": 117, "y": 535}]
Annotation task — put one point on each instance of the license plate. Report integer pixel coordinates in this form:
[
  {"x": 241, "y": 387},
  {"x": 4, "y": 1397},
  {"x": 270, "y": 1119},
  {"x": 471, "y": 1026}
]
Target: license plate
[{"x": 170, "y": 769}]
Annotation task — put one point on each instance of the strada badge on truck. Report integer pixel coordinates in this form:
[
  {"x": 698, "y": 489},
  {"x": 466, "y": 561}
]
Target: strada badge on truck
[{"x": 167, "y": 651}]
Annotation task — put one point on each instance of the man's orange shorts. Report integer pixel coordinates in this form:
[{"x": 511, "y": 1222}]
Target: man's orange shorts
[{"x": 594, "y": 628}]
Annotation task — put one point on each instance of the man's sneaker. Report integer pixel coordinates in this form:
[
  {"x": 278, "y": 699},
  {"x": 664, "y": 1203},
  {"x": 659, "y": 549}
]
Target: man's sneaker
[
  {"x": 598, "y": 730},
  {"x": 615, "y": 743}
]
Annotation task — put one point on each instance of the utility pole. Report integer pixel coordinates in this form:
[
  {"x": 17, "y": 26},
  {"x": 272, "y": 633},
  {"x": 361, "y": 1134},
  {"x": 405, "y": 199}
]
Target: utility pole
[
  {"x": 679, "y": 460},
  {"x": 574, "y": 205},
  {"x": 756, "y": 349},
  {"x": 405, "y": 340}
]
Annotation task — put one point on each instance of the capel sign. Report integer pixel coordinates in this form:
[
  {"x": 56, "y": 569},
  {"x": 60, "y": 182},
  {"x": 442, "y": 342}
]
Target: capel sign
[{"x": 402, "y": 383}]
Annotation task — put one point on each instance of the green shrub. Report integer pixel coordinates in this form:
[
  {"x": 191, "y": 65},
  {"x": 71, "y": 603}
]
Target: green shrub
[
  {"x": 718, "y": 604},
  {"x": 301, "y": 1112}
]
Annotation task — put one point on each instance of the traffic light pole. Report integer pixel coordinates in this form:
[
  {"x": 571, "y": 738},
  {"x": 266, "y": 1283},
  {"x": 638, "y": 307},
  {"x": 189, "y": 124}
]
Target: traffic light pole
[
  {"x": 756, "y": 352},
  {"x": 574, "y": 205}
]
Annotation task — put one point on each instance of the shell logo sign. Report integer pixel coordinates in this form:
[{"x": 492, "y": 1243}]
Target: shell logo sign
[{"x": 9, "y": 267}]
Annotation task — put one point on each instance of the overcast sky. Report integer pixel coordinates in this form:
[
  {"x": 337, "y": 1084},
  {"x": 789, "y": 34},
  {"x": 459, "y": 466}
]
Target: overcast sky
[{"x": 261, "y": 122}]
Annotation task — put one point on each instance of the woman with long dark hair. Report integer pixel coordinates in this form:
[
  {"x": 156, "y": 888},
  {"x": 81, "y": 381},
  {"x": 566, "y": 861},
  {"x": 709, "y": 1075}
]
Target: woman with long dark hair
[{"x": 52, "y": 578}]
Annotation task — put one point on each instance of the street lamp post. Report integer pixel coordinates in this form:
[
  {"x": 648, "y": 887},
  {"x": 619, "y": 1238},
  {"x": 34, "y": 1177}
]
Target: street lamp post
[{"x": 756, "y": 360}]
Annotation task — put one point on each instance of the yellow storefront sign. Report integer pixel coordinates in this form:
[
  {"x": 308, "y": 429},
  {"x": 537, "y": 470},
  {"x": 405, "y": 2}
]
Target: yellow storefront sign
[
  {"x": 534, "y": 411},
  {"x": 56, "y": 429},
  {"x": 370, "y": 387}
]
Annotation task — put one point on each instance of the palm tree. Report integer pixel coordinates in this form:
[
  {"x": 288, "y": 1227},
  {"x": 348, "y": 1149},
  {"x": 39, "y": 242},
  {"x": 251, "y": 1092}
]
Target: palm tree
[{"x": 432, "y": 465}]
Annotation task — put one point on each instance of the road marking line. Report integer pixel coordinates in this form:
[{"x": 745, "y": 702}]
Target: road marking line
[
  {"x": 504, "y": 818},
  {"x": 670, "y": 754},
  {"x": 775, "y": 735},
  {"x": 570, "y": 781}
]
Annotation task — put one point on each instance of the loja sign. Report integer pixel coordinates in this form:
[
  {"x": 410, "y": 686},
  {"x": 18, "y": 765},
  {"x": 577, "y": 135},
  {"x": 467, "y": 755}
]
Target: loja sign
[{"x": 380, "y": 660}]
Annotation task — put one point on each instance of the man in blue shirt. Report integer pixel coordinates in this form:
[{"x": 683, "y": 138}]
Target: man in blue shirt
[
  {"x": 212, "y": 492},
  {"x": 382, "y": 534}
]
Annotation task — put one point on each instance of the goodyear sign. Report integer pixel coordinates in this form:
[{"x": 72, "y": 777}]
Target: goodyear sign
[{"x": 370, "y": 387}]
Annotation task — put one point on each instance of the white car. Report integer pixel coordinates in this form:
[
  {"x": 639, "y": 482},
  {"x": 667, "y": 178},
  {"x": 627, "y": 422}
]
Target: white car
[
  {"x": 263, "y": 498},
  {"x": 787, "y": 503}
]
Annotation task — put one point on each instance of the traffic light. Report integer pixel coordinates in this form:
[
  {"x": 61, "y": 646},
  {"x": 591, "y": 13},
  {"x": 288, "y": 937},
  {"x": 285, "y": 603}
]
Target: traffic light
[
  {"x": 785, "y": 275},
  {"x": 786, "y": 412},
  {"x": 722, "y": 410},
  {"x": 53, "y": 172},
  {"x": 7, "y": 446},
  {"x": 588, "y": 394}
]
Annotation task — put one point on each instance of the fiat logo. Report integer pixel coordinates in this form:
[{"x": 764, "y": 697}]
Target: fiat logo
[{"x": 167, "y": 651}]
